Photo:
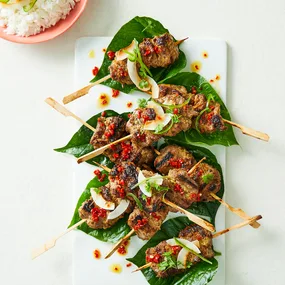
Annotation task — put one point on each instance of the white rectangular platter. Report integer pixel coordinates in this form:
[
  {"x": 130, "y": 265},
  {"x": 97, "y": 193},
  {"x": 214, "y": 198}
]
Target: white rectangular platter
[{"x": 211, "y": 59}]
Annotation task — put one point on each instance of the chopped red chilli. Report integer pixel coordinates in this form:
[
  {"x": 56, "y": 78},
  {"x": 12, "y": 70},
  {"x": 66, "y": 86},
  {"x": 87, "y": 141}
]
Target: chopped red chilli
[
  {"x": 95, "y": 70},
  {"x": 115, "y": 93},
  {"x": 175, "y": 249},
  {"x": 178, "y": 188},
  {"x": 176, "y": 163},
  {"x": 140, "y": 224},
  {"x": 111, "y": 55},
  {"x": 98, "y": 213},
  {"x": 153, "y": 258},
  {"x": 155, "y": 215}
]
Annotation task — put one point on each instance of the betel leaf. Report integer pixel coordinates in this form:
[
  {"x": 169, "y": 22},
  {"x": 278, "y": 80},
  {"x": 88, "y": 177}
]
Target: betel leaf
[
  {"x": 79, "y": 143},
  {"x": 113, "y": 234},
  {"x": 190, "y": 79},
  {"x": 208, "y": 209},
  {"x": 199, "y": 274},
  {"x": 138, "y": 28}
]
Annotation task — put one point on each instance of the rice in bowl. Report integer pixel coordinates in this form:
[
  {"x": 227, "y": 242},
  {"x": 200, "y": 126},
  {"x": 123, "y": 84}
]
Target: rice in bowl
[{"x": 22, "y": 18}]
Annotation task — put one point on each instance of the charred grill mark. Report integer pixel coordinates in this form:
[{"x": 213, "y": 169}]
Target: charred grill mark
[
  {"x": 150, "y": 113},
  {"x": 105, "y": 191},
  {"x": 164, "y": 160},
  {"x": 212, "y": 187},
  {"x": 187, "y": 180},
  {"x": 217, "y": 121},
  {"x": 88, "y": 206}
]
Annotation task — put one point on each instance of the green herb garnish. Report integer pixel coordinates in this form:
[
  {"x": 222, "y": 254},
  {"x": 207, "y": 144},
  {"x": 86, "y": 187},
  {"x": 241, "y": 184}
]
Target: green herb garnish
[
  {"x": 30, "y": 6},
  {"x": 138, "y": 202},
  {"x": 97, "y": 190},
  {"x": 142, "y": 103},
  {"x": 168, "y": 262},
  {"x": 143, "y": 83},
  {"x": 207, "y": 178},
  {"x": 174, "y": 120},
  {"x": 192, "y": 251}
]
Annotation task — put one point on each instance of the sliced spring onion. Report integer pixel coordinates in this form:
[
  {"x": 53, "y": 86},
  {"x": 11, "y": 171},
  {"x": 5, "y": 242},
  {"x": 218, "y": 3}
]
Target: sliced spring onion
[
  {"x": 178, "y": 106},
  {"x": 30, "y": 6},
  {"x": 4, "y": 1},
  {"x": 100, "y": 201},
  {"x": 122, "y": 54},
  {"x": 122, "y": 207},
  {"x": 138, "y": 202},
  {"x": 182, "y": 244}
]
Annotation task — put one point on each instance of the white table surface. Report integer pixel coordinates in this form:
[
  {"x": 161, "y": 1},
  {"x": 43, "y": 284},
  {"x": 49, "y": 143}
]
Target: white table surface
[{"x": 35, "y": 184}]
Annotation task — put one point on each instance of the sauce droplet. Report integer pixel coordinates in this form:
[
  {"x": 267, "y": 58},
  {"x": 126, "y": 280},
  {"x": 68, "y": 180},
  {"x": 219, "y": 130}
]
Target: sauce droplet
[
  {"x": 128, "y": 265},
  {"x": 205, "y": 54},
  {"x": 218, "y": 77},
  {"x": 103, "y": 50},
  {"x": 196, "y": 66},
  {"x": 91, "y": 54},
  {"x": 116, "y": 268},
  {"x": 212, "y": 80},
  {"x": 97, "y": 254},
  {"x": 103, "y": 100},
  {"x": 129, "y": 104}
]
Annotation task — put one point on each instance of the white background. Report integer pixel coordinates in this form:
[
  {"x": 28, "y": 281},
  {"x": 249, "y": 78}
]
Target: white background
[{"x": 35, "y": 182}]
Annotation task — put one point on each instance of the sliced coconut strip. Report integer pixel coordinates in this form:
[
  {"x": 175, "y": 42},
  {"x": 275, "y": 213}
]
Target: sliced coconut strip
[
  {"x": 133, "y": 73},
  {"x": 122, "y": 207},
  {"x": 100, "y": 201},
  {"x": 182, "y": 258},
  {"x": 191, "y": 245},
  {"x": 141, "y": 179},
  {"x": 154, "y": 87},
  {"x": 121, "y": 55},
  {"x": 152, "y": 125}
]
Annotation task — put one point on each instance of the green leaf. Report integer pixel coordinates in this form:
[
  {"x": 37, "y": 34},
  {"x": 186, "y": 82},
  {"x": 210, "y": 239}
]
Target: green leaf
[
  {"x": 138, "y": 28},
  {"x": 113, "y": 234},
  {"x": 199, "y": 274},
  {"x": 79, "y": 143},
  {"x": 227, "y": 137}
]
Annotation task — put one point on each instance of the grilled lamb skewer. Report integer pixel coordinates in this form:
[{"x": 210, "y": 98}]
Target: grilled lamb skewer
[
  {"x": 204, "y": 181},
  {"x": 193, "y": 233},
  {"x": 160, "y": 51}
]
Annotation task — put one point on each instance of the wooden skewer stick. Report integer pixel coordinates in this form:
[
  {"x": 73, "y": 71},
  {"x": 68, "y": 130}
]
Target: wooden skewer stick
[
  {"x": 197, "y": 220},
  {"x": 100, "y": 150},
  {"x": 196, "y": 165},
  {"x": 236, "y": 211},
  {"x": 181, "y": 41},
  {"x": 147, "y": 265},
  {"x": 249, "y": 131},
  {"x": 61, "y": 109},
  {"x": 47, "y": 246},
  {"x": 83, "y": 91},
  {"x": 102, "y": 166},
  {"x": 118, "y": 244},
  {"x": 242, "y": 224}
]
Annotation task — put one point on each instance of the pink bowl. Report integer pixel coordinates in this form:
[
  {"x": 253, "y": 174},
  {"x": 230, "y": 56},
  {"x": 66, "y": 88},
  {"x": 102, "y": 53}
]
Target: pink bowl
[{"x": 50, "y": 33}]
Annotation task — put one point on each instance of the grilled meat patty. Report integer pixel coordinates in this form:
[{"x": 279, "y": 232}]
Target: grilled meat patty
[
  {"x": 198, "y": 102},
  {"x": 191, "y": 233},
  {"x": 195, "y": 232},
  {"x": 212, "y": 121},
  {"x": 122, "y": 178},
  {"x": 119, "y": 72},
  {"x": 96, "y": 217},
  {"x": 209, "y": 180},
  {"x": 108, "y": 130},
  {"x": 153, "y": 203},
  {"x": 184, "y": 190},
  {"x": 147, "y": 224},
  {"x": 159, "y": 250},
  {"x": 173, "y": 156},
  {"x": 159, "y": 51}
]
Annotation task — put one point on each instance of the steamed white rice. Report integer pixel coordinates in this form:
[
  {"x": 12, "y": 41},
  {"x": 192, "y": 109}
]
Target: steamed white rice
[{"x": 44, "y": 14}]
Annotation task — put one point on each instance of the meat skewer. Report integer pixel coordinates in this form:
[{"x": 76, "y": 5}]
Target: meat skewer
[
  {"x": 160, "y": 51},
  {"x": 175, "y": 156},
  {"x": 195, "y": 234}
]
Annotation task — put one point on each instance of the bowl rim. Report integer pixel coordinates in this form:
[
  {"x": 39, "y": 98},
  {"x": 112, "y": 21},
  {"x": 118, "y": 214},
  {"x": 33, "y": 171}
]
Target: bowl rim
[{"x": 38, "y": 38}]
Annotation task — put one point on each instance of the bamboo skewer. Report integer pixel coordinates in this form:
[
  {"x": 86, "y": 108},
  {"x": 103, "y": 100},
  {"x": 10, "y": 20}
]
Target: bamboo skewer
[
  {"x": 197, "y": 220},
  {"x": 100, "y": 150},
  {"x": 61, "y": 109},
  {"x": 83, "y": 91},
  {"x": 248, "y": 131},
  {"x": 50, "y": 244},
  {"x": 118, "y": 244},
  {"x": 240, "y": 225},
  {"x": 236, "y": 211},
  {"x": 196, "y": 165}
]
